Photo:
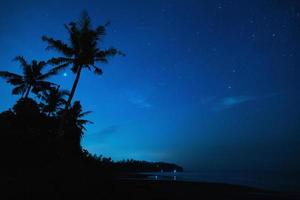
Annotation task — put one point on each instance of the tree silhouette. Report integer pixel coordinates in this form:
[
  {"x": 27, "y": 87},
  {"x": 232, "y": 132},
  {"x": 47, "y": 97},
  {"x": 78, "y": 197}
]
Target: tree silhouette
[
  {"x": 74, "y": 126},
  {"x": 83, "y": 50},
  {"x": 75, "y": 115},
  {"x": 32, "y": 78},
  {"x": 54, "y": 100}
]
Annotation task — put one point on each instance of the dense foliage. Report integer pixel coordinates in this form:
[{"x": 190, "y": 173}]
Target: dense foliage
[{"x": 31, "y": 140}]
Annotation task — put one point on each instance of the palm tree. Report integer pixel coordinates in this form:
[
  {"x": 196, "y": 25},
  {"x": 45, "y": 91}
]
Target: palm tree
[
  {"x": 75, "y": 114},
  {"x": 54, "y": 100},
  {"x": 82, "y": 50},
  {"x": 32, "y": 78},
  {"x": 73, "y": 128}
]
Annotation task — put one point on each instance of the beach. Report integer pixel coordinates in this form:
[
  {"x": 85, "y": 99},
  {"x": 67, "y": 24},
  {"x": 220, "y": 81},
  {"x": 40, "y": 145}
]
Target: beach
[
  {"x": 148, "y": 189},
  {"x": 140, "y": 189}
]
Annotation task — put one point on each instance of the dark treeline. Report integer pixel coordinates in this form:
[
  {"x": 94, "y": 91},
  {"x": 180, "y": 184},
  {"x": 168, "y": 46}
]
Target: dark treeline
[
  {"x": 35, "y": 157},
  {"x": 144, "y": 166},
  {"x": 31, "y": 141},
  {"x": 131, "y": 165}
]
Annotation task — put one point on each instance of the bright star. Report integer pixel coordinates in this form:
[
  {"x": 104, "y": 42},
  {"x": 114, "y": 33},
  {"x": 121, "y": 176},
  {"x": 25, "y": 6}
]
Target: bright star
[{"x": 65, "y": 74}]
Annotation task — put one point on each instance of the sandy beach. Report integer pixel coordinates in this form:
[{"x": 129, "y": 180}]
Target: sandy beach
[
  {"x": 187, "y": 190},
  {"x": 96, "y": 186}
]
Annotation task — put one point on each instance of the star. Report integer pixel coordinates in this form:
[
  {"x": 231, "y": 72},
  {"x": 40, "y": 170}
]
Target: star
[{"x": 65, "y": 74}]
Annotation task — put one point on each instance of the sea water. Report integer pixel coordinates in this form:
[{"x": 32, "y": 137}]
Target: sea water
[{"x": 264, "y": 180}]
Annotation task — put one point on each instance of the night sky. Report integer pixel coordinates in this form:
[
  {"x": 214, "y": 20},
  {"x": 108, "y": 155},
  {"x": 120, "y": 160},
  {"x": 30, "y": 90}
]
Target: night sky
[{"x": 210, "y": 85}]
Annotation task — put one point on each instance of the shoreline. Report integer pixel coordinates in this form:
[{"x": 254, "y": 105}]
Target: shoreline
[
  {"x": 164, "y": 189},
  {"x": 270, "y": 182},
  {"x": 205, "y": 187},
  {"x": 136, "y": 189}
]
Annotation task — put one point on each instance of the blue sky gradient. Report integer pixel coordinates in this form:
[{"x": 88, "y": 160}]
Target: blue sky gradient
[{"x": 206, "y": 84}]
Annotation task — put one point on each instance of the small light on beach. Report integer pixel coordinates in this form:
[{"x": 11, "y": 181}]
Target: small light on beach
[
  {"x": 174, "y": 171},
  {"x": 156, "y": 177}
]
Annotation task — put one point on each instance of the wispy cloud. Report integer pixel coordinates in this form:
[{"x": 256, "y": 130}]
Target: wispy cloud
[
  {"x": 109, "y": 130},
  {"x": 138, "y": 99},
  {"x": 98, "y": 137},
  {"x": 231, "y": 101},
  {"x": 228, "y": 102}
]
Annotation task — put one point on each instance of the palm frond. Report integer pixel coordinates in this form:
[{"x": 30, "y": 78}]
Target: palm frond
[
  {"x": 43, "y": 97},
  {"x": 55, "y": 70},
  {"x": 61, "y": 102},
  {"x": 102, "y": 56},
  {"x": 74, "y": 35},
  {"x": 84, "y": 114},
  {"x": 19, "y": 89},
  {"x": 41, "y": 65},
  {"x": 36, "y": 67},
  {"x": 75, "y": 68},
  {"x": 41, "y": 86},
  {"x": 64, "y": 93},
  {"x": 9, "y": 75},
  {"x": 59, "y": 60},
  {"x": 21, "y": 60},
  {"x": 47, "y": 75},
  {"x": 97, "y": 70},
  {"x": 58, "y": 45},
  {"x": 82, "y": 122},
  {"x": 84, "y": 20},
  {"x": 15, "y": 81},
  {"x": 101, "y": 31}
]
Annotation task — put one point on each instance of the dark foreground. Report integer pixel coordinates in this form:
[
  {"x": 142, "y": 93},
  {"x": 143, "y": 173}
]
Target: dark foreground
[
  {"x": 138, "y": 190},
  {"x": 188, "y": 190}
]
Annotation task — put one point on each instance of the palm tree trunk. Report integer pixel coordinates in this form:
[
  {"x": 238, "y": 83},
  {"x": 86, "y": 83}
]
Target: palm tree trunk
[
  {"x": 27, "y": 93},
  {"x": 23, "y": 93},
  {"x": 73, "y": 88},
  {"x": 62, "y": 121}
]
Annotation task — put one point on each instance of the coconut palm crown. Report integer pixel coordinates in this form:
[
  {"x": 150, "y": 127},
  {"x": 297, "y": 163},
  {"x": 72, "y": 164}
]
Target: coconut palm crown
[
  {"x": 31, "y": 79},
  {"x": 82, "y": 50},
  {"x": 75, "y": 115},
  {"x": 53, "y": 100}
]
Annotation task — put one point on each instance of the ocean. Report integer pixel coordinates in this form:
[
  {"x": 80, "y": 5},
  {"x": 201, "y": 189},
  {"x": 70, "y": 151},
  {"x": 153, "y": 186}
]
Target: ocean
[{"x": 265, "y": 180}]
